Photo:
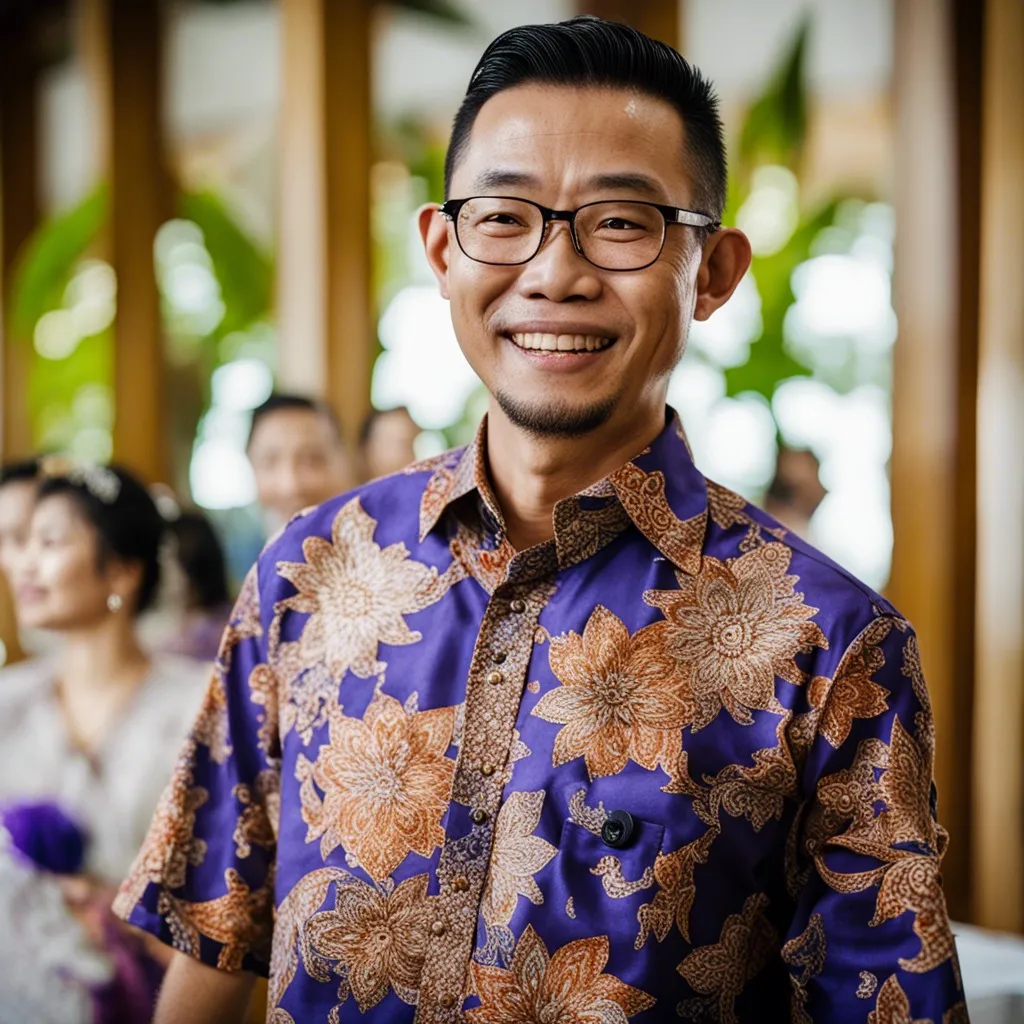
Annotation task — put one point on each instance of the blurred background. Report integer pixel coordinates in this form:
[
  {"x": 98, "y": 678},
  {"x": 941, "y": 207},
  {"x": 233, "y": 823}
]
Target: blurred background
[{"x": 205, "y": 200}]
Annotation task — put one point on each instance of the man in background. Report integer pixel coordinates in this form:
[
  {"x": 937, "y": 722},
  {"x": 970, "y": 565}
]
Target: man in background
[
  {"x": 18, "y": 482},
  {"x": 386, "y": 442}
]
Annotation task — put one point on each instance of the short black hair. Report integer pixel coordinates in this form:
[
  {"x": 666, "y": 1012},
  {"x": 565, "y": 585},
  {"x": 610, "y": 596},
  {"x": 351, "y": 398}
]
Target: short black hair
[
  {"x": 128, "y": 524},
  {"x": 281, "y": 401},
  {"x": 202, "y": 559},
  {"x": 22, "y": 471},
  {"x": 589, "y": 51}
]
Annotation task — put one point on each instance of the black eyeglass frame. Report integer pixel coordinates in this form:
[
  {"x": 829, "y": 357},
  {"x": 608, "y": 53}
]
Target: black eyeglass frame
[{"x": 672, "y": 215}]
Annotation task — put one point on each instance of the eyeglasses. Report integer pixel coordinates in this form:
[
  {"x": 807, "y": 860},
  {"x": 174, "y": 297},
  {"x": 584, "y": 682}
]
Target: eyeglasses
[{"x": 613, "y": 234}]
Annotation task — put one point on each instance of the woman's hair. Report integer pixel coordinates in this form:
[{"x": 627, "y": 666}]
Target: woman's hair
[
  {"x": 127, "y": 523},
  {"x": 202, "y": 560}
]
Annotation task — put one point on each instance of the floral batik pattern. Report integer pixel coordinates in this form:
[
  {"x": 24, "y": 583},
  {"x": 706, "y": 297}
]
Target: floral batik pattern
[{"x": 672, "y": 763}]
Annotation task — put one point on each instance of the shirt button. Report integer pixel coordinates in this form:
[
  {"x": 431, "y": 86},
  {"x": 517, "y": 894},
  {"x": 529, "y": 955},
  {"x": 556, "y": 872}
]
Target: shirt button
[
  {"x": 437, "y": 928},
  {"x": 487, "y": 769},
  {"x": 447, "y": 1002},
  {"x": 460, "y": 884},
  {"x": 518, "y": 606},
  {"x": 479, "y": 816},
  {"x": 494, "y": 678},
  {"x": 618, "y": 829},
  {"x": 499, "y": 657}
]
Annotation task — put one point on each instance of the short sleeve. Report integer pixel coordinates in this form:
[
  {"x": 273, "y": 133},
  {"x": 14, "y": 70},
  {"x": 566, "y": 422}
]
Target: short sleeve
[
  {"x": 203, "y": 881},
  {"x": 871, "y": 938}
]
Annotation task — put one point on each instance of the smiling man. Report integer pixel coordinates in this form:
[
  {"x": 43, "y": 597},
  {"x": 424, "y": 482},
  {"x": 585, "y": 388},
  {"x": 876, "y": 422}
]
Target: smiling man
[{"x": 554, "y": 729}]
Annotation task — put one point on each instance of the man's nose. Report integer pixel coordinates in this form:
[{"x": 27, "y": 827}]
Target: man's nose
[{"x": 558, "y": 272}]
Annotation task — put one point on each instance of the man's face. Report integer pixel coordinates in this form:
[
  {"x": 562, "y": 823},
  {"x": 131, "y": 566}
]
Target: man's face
[
  {"x": 389, "y": 447},
  {"x": 563, "y": 147},
  {"x": 298, "y": 461},
  {"x": 17, "y": 499}
]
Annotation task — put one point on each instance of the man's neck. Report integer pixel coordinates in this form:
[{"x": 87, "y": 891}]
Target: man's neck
[{"x": 531, "y": 474}]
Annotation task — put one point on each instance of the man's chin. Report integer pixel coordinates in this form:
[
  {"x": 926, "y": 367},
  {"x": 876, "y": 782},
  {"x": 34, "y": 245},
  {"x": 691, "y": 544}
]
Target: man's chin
[{"x": 555, "y": 418}]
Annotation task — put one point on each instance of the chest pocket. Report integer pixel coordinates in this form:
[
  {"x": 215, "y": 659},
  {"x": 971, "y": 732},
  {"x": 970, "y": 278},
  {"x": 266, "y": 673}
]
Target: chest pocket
[{"x": 604, "y": 870}]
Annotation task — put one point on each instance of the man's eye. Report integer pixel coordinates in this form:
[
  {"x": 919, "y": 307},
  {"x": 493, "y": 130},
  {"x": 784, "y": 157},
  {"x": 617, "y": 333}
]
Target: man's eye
[
  {"x": 503, "y": 219},
  {"x": 620, "y": 224}
]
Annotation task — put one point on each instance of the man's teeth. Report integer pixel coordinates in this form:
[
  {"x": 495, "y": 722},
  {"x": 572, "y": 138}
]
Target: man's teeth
[{"x": 561, "y": 342}]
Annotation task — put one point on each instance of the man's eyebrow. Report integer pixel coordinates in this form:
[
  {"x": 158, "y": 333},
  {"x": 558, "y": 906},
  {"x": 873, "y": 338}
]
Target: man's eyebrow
[
  {"x": 499, "y": 178},
  {"x": 628, "y": 181}
]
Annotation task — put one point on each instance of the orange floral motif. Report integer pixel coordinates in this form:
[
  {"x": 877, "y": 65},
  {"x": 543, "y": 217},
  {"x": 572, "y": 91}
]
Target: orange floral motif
[
  {"x": 386, "y": 782},
  {"x": 304, "y": 899},
  {"x": 171, "y": 844},
  {"x": 722, "y": 970},
  {"x": 211, "y": 725},
  {"x": 902, "y": 837},
  {"x": 673, "y": 901},
  {"x": 240, "y": 920},
  {"x": 355, "y": 594},
  {"x": 732, "y": 630},
  {"x": 517, "y": 856},
  {"x": 727, "y": 508},
  {"x": 566, "y": 986},
  {"x": 852, "y": 693},
  {"x": 618, "y": 699},
  {"x": 244, "y": 623},
  {"x": 261, "y": 813},
  {"x": 893, "y": 1006},
  {"x": 378, "y": 935},
  {"x": 263, "y": 692}
]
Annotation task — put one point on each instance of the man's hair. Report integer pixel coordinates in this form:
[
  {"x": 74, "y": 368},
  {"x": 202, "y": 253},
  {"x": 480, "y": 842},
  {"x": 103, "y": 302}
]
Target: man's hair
[
  {"x": 24, "y": 471},
  {"x": 282, "y": 402},
  {"x": 588, "y": 51},
  {"x": 374, "y": 416}
]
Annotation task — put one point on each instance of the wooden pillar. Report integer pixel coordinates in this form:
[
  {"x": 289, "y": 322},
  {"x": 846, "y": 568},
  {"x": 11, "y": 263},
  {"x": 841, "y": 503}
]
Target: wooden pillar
[
  {"x": 998, "y": 875},
  {"x": 935, "y": 374},
  {"x": 19, "y": 215},
  {"x": 325, "y": 305},
  {"x": 124, "y": 56},
  {"x": 660, "y": 19}
]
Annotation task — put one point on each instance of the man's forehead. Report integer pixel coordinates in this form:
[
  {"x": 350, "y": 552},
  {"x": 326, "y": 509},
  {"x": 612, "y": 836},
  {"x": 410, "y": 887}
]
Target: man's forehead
[{"x": 613, "y": 138}]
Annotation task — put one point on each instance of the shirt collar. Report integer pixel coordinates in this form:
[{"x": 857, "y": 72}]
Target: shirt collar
[{"x": 660, "y": 490}]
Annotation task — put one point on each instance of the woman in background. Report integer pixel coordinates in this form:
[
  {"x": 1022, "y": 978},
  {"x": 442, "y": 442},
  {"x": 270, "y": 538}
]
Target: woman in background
[{"x": 96, "y": 728}]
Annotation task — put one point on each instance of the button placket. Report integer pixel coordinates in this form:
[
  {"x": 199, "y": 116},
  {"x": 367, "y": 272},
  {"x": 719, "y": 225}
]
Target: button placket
[{"x": 505, "y": 638}]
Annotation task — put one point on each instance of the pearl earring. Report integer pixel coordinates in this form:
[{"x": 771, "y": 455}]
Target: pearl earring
[{"x": 115, "y": 602}]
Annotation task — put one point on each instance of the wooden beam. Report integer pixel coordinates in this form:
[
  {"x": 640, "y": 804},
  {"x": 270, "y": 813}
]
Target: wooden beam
[
  {"x": 998, "y": 819},
  {"x": 126, "y": 66},
  {"x": 934, "y": 397},
  {"x": 325, "y": 304},
  {"x": 660, "y": 19},
  {"x": 19, "y": 217}
]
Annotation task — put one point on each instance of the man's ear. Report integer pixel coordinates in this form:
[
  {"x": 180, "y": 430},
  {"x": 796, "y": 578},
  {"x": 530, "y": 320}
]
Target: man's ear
[
  {"x": 434, "y": 232},
  {"x": 725, "y": 260}
]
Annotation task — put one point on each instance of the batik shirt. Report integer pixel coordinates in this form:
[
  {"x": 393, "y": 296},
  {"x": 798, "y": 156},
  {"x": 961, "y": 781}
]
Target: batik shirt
[{"x": 672, "y": 763}]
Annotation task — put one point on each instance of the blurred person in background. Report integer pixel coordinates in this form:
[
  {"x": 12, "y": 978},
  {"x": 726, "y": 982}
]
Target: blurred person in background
[
  {"x": 95, "y": 728},
  {"x": 298, "y": 456},
  {"x": 299, "y": 459},
  {"x": 206, "y": 600},
  {"x": 386, "y": 442},
  {"x": 796, "y": 490},
  {"x": 18, "y": 481}
]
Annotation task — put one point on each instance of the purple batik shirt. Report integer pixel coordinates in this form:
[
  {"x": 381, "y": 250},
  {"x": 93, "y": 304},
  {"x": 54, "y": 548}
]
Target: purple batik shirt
[{"x": 672, "y": 763}]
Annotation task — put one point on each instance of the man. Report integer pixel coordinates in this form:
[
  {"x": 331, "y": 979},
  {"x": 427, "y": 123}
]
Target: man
[
  {"x": 299, "y": 459},
  {"x": 386, "y": 441},
  {"x": 554, "y": 729},
  {"x": 298, "y": 456}
]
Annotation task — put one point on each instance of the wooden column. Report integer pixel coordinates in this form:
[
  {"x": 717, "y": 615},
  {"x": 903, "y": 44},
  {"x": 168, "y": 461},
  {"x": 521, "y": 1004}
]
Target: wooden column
[
  {"x": 935, "y": 373},
  {"x": 19, "y": 215},
  {"x": 325, "y": 306},
  {"x": 124, "y": 56},
  {"x": 998, "y": 875},
  {"x": 660, "y": 19}
]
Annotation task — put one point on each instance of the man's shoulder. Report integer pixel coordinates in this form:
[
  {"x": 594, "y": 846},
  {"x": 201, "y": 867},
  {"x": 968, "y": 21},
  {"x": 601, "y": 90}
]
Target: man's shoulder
[
  {"x": 845, "y": 604},
  {"x": 388, "y": 507}
]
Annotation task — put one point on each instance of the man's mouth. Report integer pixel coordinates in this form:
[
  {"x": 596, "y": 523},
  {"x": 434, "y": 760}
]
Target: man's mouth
[{"x": 538, "y": 342}]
